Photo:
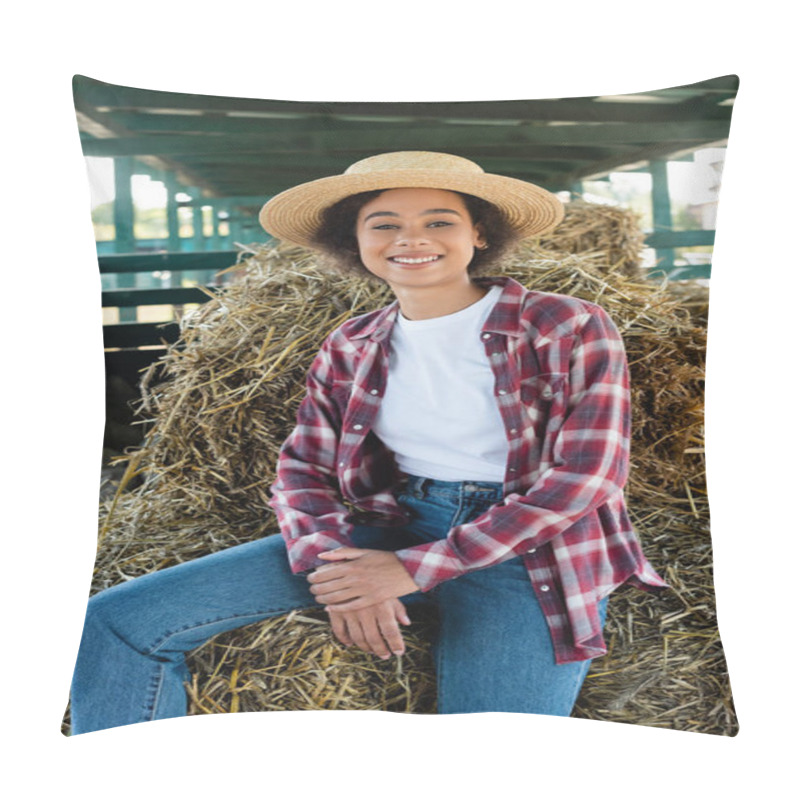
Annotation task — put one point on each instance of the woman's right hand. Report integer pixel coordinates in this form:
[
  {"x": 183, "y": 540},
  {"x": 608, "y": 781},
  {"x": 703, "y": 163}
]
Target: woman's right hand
[{"x": 374, "y": 629}]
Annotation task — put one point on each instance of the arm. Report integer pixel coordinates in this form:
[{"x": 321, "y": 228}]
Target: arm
[
  {"x": 312, "y": 517},
  {"x": 305, "y": 495}
]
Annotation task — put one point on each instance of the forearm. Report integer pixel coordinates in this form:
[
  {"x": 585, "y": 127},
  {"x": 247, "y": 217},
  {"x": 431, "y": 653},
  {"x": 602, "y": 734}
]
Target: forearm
[{"x": 306, "y": 496}]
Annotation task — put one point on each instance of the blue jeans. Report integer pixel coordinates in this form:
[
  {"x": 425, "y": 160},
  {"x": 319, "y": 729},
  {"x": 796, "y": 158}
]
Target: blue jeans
[{"x": 493, "y": 651}]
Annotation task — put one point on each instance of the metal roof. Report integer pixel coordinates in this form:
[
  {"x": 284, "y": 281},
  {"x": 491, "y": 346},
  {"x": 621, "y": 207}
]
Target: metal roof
[{"x": 241, "y": 147}]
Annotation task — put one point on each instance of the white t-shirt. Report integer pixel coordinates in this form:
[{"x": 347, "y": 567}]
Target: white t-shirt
[{"x": 439, "y": 414}]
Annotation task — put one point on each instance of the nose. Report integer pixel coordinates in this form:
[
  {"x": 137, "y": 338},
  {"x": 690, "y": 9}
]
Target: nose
[{"x": 411, "y": 236}]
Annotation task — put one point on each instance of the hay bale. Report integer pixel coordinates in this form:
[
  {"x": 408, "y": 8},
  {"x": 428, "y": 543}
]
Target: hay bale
[
  {"x": 223, "y": 399},
  {"x": 614, "y": 233}
]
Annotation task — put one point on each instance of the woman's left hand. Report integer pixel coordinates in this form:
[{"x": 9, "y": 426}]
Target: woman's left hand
[{"x": 359, "y": 578}]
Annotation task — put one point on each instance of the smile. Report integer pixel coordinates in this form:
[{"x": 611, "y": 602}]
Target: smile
[{"x": 414, "y": 261}]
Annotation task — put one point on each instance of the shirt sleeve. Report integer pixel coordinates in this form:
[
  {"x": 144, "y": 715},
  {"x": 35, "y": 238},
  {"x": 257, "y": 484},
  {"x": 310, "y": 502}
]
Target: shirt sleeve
[
  {"x": 590, "y": 464},
  {"x": 305, "y": 495}
]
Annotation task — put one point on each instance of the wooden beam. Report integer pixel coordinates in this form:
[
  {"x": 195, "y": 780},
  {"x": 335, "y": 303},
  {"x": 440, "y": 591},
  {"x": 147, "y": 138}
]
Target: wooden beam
[
  {"x": 586, "y": 109},
  {"x": 668, "y": 238},
  {"x": 117, "y": 298},
  {"x": 136, "y": 334},
  {"x": 150, "y": 262},
  {"x": 411, "y": 138},
  {"x": 638, "y": 160}
]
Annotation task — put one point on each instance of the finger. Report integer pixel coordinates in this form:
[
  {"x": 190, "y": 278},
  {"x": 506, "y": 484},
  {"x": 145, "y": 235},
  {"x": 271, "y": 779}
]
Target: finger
[
  {"x": 320, "y": 587},
  {"x": 390, "y": 631},
  {"x": 357, "y": 604},
  {"x": 373, "y": 635},
  {"x": 341, "y": 553},
  {"x": 400, "y": 612},
  {"x": 327, "y": 572},
  {"x": 339, "y": 628},
  {"x": 357, "y": 634},
  {"x": 340, "y": 596}
]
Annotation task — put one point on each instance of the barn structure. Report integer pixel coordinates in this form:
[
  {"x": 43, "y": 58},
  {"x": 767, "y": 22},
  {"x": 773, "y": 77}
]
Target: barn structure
[{"x": 225, "y": 156}]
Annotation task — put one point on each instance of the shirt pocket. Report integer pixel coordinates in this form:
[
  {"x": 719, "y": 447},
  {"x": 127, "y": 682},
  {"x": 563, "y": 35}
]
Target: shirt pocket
[{"x": 544, "y": 400}]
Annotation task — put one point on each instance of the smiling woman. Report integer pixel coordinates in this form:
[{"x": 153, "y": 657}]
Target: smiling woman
[
  {"x": 421, "y": 242},
  {"x": 335, "y": 236},
  {"x": 482, "y": 428}
]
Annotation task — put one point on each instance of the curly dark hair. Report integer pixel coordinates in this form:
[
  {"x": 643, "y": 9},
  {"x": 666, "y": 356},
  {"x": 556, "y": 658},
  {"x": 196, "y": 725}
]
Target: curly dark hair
[{"x": 336, "y": 235}]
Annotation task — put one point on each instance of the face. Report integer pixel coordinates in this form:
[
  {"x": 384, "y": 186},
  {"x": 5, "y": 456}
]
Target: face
[{"x": 417, "y": 238}]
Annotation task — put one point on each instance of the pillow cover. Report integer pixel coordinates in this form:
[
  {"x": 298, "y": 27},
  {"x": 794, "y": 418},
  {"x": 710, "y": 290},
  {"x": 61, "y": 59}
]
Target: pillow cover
[{"x": 210, "y": 327}]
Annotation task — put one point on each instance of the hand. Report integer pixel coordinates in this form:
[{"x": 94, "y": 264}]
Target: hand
[
  {"x": 374, "y": 629},
  {"x": 360, "y": 578}
]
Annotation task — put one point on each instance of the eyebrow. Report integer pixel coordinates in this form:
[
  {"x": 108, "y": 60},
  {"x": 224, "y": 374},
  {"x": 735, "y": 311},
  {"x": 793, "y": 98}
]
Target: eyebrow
[{"x": 429, "y": 211}]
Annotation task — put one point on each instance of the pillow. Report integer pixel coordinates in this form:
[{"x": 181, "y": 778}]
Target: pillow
[{"x": 210, "y": 328}]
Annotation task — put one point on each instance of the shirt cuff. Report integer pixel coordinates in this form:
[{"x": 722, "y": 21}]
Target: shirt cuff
[
  {"x": 432, "y": 563},
  {"x": 304, "y": 551}
]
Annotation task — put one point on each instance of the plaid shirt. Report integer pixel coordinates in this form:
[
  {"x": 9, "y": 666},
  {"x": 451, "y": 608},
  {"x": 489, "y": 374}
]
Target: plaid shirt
[{"x": 562, "y": 390}]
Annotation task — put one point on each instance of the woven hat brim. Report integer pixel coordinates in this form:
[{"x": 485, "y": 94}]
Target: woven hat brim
[{"x": 295, "y": 215}]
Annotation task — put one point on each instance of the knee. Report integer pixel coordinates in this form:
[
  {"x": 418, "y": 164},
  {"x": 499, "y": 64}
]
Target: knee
[{"x": 112, "y": 611}]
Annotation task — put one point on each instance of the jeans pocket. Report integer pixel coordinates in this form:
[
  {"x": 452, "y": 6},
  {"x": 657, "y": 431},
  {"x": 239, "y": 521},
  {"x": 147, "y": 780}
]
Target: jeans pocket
[{"x": 404, "y": 499}]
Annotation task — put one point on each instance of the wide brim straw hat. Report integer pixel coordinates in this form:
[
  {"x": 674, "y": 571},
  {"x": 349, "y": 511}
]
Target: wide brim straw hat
[{"x": 295, "y": 215}]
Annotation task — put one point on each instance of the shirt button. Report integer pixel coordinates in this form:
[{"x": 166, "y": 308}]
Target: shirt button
[
  {"x": 532, "y": 550},
  {"x": 357, "y": 427},
  {"x": 512, "y": 469},
  {"x": 502, "y": 391},
  {"x": 373, "y": 391},
  {"x": 487, "y": 336},
  {"x": 341, "y": 463},
  {"x": 513, "y": 430},
  {"x": 545, "y": 588},
  {"x": 547, "y": 394}
]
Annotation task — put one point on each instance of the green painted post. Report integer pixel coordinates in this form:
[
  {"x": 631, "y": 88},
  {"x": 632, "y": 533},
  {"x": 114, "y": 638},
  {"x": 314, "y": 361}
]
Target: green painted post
[
  {"x": 226, "y": 240},
  {"x": 576, "y": 187},
  {"x": 124, "y": 236},
  {"x": 236, "y": 224},
  {"x": 198, "y": 240},
  {"x": 662, "y": 211},
  {"x": 173, "y": 233},
  {"x": 215, "y": 237},
  {"x": 123, "y": 206}
]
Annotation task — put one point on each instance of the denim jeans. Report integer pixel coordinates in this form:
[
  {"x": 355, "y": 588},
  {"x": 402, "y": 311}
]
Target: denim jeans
[{"x": 493, "y": 651}]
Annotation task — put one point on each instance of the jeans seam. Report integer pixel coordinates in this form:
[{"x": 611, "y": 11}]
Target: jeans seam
[
  {"x": 153, "y": 649},
  {"x": 154, "y": 693}
]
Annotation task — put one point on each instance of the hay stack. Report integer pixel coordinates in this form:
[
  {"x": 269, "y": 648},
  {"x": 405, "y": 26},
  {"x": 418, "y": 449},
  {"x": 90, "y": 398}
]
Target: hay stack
[
  {"x": 221, "y": 402},
  {"x": 614, "y": 233}
]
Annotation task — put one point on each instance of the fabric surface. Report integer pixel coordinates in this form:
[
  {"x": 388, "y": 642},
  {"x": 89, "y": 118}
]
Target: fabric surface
[{"x": 562, "y": 390}]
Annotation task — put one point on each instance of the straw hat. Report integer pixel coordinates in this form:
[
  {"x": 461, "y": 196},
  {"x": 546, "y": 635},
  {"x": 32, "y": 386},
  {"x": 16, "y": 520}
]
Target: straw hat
[{"x": 295, "y": 215}]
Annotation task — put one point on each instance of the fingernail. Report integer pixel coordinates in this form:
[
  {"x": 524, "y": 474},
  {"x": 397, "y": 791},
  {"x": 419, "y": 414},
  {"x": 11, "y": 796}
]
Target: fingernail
[{"x": 398, "y": 652}]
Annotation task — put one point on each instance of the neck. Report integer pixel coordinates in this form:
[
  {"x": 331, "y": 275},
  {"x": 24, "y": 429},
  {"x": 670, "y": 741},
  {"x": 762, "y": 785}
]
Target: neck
[{"x": 427, "y": 303}]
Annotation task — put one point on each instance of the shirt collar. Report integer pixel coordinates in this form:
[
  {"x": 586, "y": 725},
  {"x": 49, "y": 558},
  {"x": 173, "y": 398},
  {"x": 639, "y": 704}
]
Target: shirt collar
[{"x": 505, "y": 316}]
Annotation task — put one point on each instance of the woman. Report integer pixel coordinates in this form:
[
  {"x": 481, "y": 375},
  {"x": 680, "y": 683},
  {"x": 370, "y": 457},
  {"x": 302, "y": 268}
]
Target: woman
[{"x": 479, "y": 430}]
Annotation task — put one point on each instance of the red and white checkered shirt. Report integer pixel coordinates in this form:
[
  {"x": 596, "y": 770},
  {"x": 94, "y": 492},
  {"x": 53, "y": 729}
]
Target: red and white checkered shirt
[{"x": 562, "y": 390}]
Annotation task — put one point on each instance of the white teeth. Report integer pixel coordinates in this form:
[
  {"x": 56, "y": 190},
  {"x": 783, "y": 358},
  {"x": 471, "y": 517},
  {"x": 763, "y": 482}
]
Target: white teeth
[{"x": 401, "y": 260}]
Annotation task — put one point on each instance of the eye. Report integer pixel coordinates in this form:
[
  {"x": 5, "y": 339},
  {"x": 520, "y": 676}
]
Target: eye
[
  {"x": 384, "y": 227},
  {"x": 440, "y": 223}
]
